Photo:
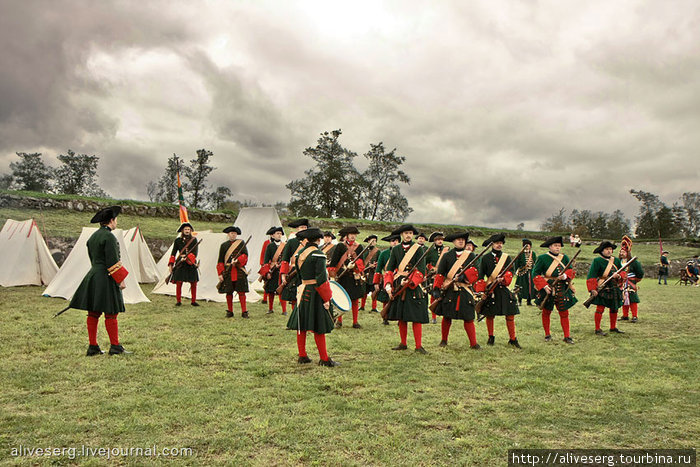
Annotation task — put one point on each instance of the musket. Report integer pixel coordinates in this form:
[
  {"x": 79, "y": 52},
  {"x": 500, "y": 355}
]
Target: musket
[
  {"x": 590, "y": 299},
  {"x": 181, "y": 259},
  {"x": 62, "y": 311},
  {"x": 229, "y": 264},
  {"x": 556, "y": 280},
  {"x": 352, "y": 259},
  {"x": 392, "y": 297},
  {"x": 447, "y": 284},
  {"x": 480, "y": 304}
]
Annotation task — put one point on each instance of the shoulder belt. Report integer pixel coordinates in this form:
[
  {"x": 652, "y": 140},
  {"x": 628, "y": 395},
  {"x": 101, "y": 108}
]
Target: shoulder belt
[
  {"x": 442, "y": 253},
  {"x": 406, "y": 259},
  {"x": 278, "y": 252},
  {"x": 458, "y": 264},
  {"x": 556, "y": 261},
  {"x": 611, "y": 264},
  {"x": 231, "y": 249},
  {"x": 302, "y": 257},
  {"x": 348, "y": 250},
  {"x": 499, "y": 267}
]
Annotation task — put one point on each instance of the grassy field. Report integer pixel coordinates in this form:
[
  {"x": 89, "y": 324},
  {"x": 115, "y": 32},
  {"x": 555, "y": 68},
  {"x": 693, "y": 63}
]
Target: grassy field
[
  {"x": 69, "y": 223},
  {"x": 231, "y": 390}
]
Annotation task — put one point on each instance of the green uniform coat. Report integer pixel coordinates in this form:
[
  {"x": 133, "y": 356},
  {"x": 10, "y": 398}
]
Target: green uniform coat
[
  {"x": 458, "y": 301},
  {"x": 309, "y": 314},
  {"x": 185, "y": 272},
  {"x": 525, "y": 277},
  {"x": 289, "y": 293},
  {"x": 564, "y": 297},
  {"x": 241, "y": 284},
  {"x": 413, "y": 307},
  {"x": 502, "y": 302},
  {"x": 98, "y": 291},
  {"x": 611, "y": 295},
  {"x": 354, "y": 287},
  {"x": 382, "y": 296},
  {"x": 270, "y": 286},
  {"x": 636, "y": 269}
]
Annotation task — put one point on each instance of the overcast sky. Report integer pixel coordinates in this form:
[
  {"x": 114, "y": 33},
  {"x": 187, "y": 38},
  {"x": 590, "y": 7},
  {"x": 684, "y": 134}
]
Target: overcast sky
[{"x": 505, "y": 111}]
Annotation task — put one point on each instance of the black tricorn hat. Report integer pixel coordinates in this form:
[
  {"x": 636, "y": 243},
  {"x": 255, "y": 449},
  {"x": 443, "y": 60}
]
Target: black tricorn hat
[
  {"x": 405, "y": 228},
  {"x": 274, "y": 229},
  {"x": 552, "y": 241},
  {"x": 351, "y": 229},
  {"x": 370, "y": 238},
  {"x": 605, "y": 244},
  {"x": 455, "y": 236},
  {"x": 526, "y": 241},
  {"x": 329, "y": 234},
  {"x": 390, "y": 237},
  {"x": 298, "y": 222},
  {"x": 183, "y": 225},
  {"x": 422, "y": 235},
  {"x": 233, "y": 228},
  {"x": 310, "y": 234},
  {"x": 106, "y": 214},
  {"x": 499, "y": 237},
  {"x": 434, "y": 236},
  {"x": 468, "y": 242}
]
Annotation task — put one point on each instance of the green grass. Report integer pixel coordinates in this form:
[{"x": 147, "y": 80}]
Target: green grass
[
  {"x": 231, "y": 389},
  {"x": 64, "y": 223}
]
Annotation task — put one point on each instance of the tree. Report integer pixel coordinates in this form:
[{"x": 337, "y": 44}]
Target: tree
[
  {"x": 691, "y": 204},
  {"x": 618, "y": 225},
  {"x": 167, "y": 185},
  {"x": 556, "y": 223},
  {"x": 599, "y": 225},
  {"x": 647, "y": 224},
  {"x": 77, "y": 175},
  {"x": 381, "y": 196},
  {"x": 331, "y": 188},
  {"x": 581, "y": 222},
  {"x": 5, "y": 181},
  {"x": 30, "y": 173},
  {"x": 152, "y": 191},
  {"x": 196, "y": 175},
  {"x": 219, "y": 196},
  {"x": 666, "y": 222},
  {"x": 520, "y": 226}
]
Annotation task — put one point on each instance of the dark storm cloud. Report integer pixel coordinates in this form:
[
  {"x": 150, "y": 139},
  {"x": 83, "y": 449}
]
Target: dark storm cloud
[{"x": 505, "y": 111}]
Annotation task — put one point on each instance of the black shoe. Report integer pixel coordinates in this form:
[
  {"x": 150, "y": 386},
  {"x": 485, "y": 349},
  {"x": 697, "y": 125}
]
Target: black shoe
[
  {"x": 284, "y": 313},
  {"x": 244, "y": 314},
  {"x": 356, "y": 325},
  {"x": 617, "y": 331},
  {"x": 339, "y": 325},
  {"x": 548, "y": 338},
  {"x": 442, "y": 344},
  {"x": 475, "y": 347},
  {"x": 514, "y": 343},
  {"x": 400, "y": 347},
  {"x": 599, "y": 332},
  {"x": 568, "y": 340},
  {"x": 624, "y": 318},
  {"x": 374, "y": 310},
  {"x": 264, "y": 302},
  {"x": 385, "y": 322},
  {"x": 362, "y": 309},
  {"x": 529, "y": 303},
  {"x": 178, "y": 304},
  {"x": 229, "y": 314},
  {"x": 194, "y": 304},
  {"x": 491, "y": 341},
  {"x": 304, "y": 359},
  {"x": 421, "y": 350},
  {"x": 269, "y": 312},
  {"x": 634, "y": 320},
  {"x": 93, "y": 350},
  {"x": 118, "y": 350},
  {"x": 329, "y": 362}
]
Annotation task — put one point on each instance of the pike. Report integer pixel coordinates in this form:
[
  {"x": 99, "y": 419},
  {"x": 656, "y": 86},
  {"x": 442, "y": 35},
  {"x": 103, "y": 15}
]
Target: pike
[
  {"x": 229, "y": 264},
  {"x": 392, "y": 297},
  {"x": 594, "y": 294},
  {"x": 553, "y": 285},
  {"x": 480, "y": 304},
  {"x": 181, "y": 258},
  {"x": 447, "y": 284}
]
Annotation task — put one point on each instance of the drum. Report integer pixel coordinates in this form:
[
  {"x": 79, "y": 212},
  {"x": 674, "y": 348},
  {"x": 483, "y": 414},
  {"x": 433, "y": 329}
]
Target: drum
[{"x": 341, "y": 299}]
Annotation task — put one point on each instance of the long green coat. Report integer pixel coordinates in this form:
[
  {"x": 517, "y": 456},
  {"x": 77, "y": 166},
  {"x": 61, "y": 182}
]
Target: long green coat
[
  {"x": 525, "y": 276},
  {"x": 369, "y": 272},
  {"x": 99, "y": 291},
  {"x": 502, "y": 302},
  {"x": 241, "y": 283},
  {"x": 354, "y": 287},
  {"x": 289, "y": 293},
  {"x": 634, "y": 269},
  {"x": 564, "y": 297},
  {"x": 611, "y": 295},
  {"x": 271, "y": 285},
  {"x": 412, "y": 307},
  {"x": 458, "y": 301},
  {"x": 185, "y": 272},
  {"x": 382, "y": 296},
  {"x": 309, "y": 314}
]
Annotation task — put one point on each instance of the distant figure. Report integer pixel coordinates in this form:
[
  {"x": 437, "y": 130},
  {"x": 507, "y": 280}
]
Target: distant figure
[
  {"x": 577, "y": 241},
  {"x": 692, "y": 270},
  {"x": 663, "y": 267},
  {"x": 572, "y": 239}
]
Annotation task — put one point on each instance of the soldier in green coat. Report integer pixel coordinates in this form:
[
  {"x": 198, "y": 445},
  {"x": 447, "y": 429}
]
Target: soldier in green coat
[
  {"x": 501, "y": 302},
  {"x": 101, "y": 289},
  {"x": 635, "y": 273},
  {"x": 183, "y": 263},
  {"x": 369, "y": 255},
  {"x": 230, "y": 268},
  {"x": 435, "y": 255},
  {"x": 552, "y": 279},
  {"x": 610, "y": 296},
  {"x": 291, "y": 248},
  {"x": 347, "y": 268},
  {"x": 378, "y": 280},
  {"x": 312, "y": 313},
  {"x": 412, "y": 304},
  {"x": 523, "y": 272}
]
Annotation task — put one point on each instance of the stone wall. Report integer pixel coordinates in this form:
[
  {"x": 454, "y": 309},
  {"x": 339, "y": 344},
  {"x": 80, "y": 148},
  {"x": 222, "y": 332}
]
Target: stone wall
[{"x": 28, "y": 202}]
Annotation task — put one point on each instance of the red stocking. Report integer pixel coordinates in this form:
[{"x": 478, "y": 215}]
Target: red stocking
[
  {"x": 564, "y": 319},
  {"x": 112, "y": 329},
  {"x": 510, "y": 323},
  {"x": 545, "y": 321},
  {"x": 270, "y": 301},
  {"x": 625, "y": 311},
  {"x": 229, "y": 301},
  {"x": 193, "y": 291},
  {"x": 178, "y": 291},
  {"x": 613, "y": 320},
  {"x": 301, "y": 343},
  {"x": 445, "y": 327},
  {"x": 403, "y": 331},
  {"x": 241, "y": 299},
  {"x": 364, "y": 301},
  {"x": 374, "y": 303},
  {"x": 92, "y": 320},
  {"x": 355, "y": 310},
  {"x": 633, "y": 306},
  {"x": 599, "y": 309},
  {"x": 284, "y": 305},
  {"x": 471, "y": 332},
  {"x": 489, "y": 325},
  {"x": 418, "y": 334},
  {"x": 321, "y": 345}
]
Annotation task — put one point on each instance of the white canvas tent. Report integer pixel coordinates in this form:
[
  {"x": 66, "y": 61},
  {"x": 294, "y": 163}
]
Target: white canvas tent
[
  {"x": 255, "y": 222},
  {"x": 208, "y": 256},
  {"x": 77, "y": 265},
  {"x": 24, "y": 255},
  {"x": 145, "y": 268}
]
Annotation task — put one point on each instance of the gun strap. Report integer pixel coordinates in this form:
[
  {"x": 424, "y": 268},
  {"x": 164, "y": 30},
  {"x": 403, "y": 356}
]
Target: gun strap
[
  {"x": 556, "y": 262},
  {"x": 231, "y": 249},
  {"x": 499, "y": 267},
  {"x": 401, "y": 270},
  {"x": 278, "y": 252},
  {"x": 371, "y": 255},
  {"x": 458, "y": 264},
  {"x": 611, "y": 264},
  {"x": 348, "y": 250}
]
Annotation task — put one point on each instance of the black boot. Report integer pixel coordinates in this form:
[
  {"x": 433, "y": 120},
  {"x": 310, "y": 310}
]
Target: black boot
[
  {"x": 400, "y": 347},
  {"x": 356, "y": 325},
  {"x": 548, "y": 338},
  {"x": 304, "y": 359},
  {"x": 599, "y": 332},
  {"x": 617, "y": 331},
  {"x": 491, "y": 341},
  {"x": 529, "y": 303},
  {"x": 442, "y": 344},
  {"x": 194, "y": 304},
  {"x": 624, "y": 318},
  {"x": 118, "y": 350},
  {"x": 421, "y": 350},
  {"x": 229, "y": 314},
  {"x": 178, "y": 303},
  {"x": 514, "y": 343},
  {"x": 93, "y": 350},
  {"x": 339, "y": 325},
  {"x": 475, "y": 347},
  {"x": 244, "y": 314},
  {"x": 568, "y": 340},
  {"x": 385, "y": 322},
  {"x": 329, "y": 362}
]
